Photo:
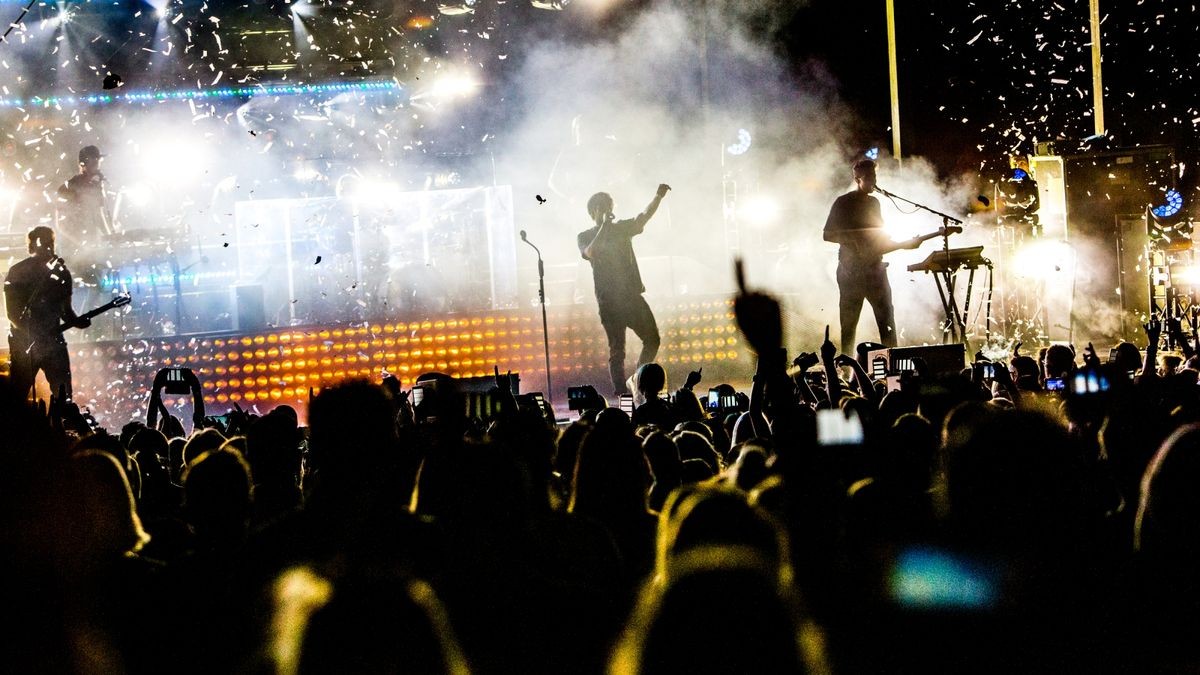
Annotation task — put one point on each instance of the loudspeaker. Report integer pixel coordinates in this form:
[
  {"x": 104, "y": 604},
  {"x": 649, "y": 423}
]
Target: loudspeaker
[
  {"x": 1101, "y": 186},
  {"x": 250, "y": 309}
]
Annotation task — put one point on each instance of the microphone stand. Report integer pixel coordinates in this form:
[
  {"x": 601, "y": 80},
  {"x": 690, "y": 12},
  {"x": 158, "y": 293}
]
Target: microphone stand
[
  {"x": 954, "y": 320},
  {"x": 545, "y": 328}
]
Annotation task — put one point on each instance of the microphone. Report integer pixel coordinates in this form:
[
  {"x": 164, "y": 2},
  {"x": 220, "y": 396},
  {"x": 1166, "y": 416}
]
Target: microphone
[
  {"x": 883, "y": 192},
  {"x": 523, "y": 236}
]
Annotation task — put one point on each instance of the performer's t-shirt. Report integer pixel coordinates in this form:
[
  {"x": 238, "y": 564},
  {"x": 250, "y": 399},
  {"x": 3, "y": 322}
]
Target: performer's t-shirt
[
  {"x": 614, "y": 266},
  {"x": 84, "y": 215},
  {"x": 37, "y": 292},
  {"x": 856, "y": 223}
]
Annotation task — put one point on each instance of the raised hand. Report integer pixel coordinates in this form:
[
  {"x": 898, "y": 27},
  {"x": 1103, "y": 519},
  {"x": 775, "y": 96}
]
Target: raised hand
[
  {"x": 758, "y": 315},
  {"x": 693, "y": 378},
  {"x": 663, "y": 189},
  {"x": 1153, "y": 329},
  {"x": 806, "y": 360},
  {"x": 1017, "y": 349},
  {"x": 844, "y": 360},
  {"x": 1089, "y": 356},
  {"x": 828, "y": 350}
]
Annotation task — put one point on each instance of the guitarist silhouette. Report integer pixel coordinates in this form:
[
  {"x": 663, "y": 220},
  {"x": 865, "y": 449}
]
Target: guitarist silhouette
[
  {"x": 37, "y": 294},
  {"x": 856, "y": 225}
]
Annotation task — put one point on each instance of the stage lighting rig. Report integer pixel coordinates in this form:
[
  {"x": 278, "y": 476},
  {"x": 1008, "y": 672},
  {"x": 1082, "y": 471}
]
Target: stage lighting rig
[
  {"x": 742, "y": 145},
  {"x": 458, "y": 7},
  {"x": 1167, "y": 224}
]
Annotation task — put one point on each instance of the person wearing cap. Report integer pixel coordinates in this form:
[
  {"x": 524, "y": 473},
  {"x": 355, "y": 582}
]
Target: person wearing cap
[
  {"x": 84, "y": 214},
  {"x": 37, "y": 296}
]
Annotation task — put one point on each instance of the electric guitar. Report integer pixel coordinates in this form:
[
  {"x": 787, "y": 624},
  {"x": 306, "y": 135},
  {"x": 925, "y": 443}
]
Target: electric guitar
[
  {"x": 120, "y": 300},
  {"x": 917, "y": 241}
]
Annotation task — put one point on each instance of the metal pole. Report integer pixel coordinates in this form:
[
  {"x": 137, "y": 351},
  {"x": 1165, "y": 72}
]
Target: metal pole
[
  {"x": 1097, "y": 80},
  {"x": 893, "y": 79}
]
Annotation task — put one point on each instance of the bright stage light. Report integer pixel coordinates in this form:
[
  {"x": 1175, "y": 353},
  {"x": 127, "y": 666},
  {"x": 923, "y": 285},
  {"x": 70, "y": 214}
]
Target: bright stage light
[
  {"x": 742, "y": 145},
  {"x": 457, "y": 7},
  {"x": 1172, "y": 206},
  {"x": 303, "y": 8},
  {"x": 144, "y": 97},
  {"x": 173, "y": 161},
  {"x": 1185, "y": 275},
  {"x": 369, "y": 191},
  {"x": 138, "y": 194},
  {"x": 1044, "y": 260},
  {"x": 872, "y": 154},
  {"x": 760, "y": 210},
  {"x": 550, "y": 4},
  {"x": 454, "y": 85}
]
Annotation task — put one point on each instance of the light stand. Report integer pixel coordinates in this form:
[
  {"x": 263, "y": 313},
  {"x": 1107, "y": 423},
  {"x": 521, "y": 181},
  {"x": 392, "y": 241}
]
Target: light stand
[{"x": 545, "y": 328}]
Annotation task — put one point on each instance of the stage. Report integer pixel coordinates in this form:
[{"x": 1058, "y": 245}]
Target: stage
[{"x": 262, "y": 369}]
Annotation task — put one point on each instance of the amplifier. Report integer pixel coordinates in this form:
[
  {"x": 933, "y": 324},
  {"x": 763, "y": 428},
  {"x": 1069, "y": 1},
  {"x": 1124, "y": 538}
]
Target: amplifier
[{"x": 939, "y": 359}]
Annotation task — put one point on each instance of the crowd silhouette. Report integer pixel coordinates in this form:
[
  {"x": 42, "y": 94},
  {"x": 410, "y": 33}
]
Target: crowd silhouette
[{"x": 978, "y": 523}]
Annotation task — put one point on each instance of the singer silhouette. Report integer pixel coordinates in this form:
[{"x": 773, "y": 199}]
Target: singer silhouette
[
  {"x": 855, "y": 223},
  {"x": 608, "y": 246}
]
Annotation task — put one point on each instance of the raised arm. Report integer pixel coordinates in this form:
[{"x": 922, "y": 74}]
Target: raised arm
[
  {"x": 866, "y": 388},
  {"x": 652, "y": 207}
]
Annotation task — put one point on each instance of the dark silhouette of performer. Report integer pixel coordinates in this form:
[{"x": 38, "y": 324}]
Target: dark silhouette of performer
[
  {"x": 37, "y": 294},
  {"x": 856, "y": 224},
  {"x": 85, "y": 216},
  {"x": 609, "y": 247}
]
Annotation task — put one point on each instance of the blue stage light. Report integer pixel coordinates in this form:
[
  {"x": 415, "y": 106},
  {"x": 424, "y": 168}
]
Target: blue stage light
[
  {"x": 1173, "y": 205},
  {"x": 742, "y": 145},
  {"x": 872, "y": 154},
  {"x": 190, "y": 94}
]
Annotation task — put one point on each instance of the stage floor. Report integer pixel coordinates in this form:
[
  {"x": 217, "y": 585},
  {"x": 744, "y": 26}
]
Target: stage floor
[{"x": 262, "y": 369}]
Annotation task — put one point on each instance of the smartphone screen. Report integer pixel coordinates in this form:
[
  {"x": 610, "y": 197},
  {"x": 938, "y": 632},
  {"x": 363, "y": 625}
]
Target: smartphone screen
[
  {"x": 626, "y": 403},
  {"x": 176, "y": 384},
  {"x": 1088, "y": 383},
  {"x": 928, "y": 578},
  {"x": 1054, "y": 384},
  {"x": 835, "y": 427},
  {"x": 714, "y": 399},
  {"x": 418, "y": 395}
]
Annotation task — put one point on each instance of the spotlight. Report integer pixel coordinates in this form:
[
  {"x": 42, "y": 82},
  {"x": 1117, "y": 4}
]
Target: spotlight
[
  {"x": 1167, "y": 226},
  {"x": 173, "y": 161},
  {"x": 742, "y": 145},
  {"x": 1170, "y": 209},
  {"x": 454, "y": 85},
  {"x": 550, "y": 4},
  {"x": 1044, "y": 259},
  {"x": 370, "y": 191},
  {"x": 760, "y": 210},
  {"x": 456, "y": 8},
  {"x": 872, "y": 154},
  {"x": 138, "y": 194},
  {"x": 1185, "y": 275},
  {"x": 303, "y": 9}
]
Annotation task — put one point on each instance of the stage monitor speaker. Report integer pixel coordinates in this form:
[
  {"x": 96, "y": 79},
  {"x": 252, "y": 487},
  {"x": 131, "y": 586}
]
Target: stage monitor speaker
[
  {"x": 941, "y": 360},
  {"x": 474, "y": 385},
  {"x": 250, "y": 309}
]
